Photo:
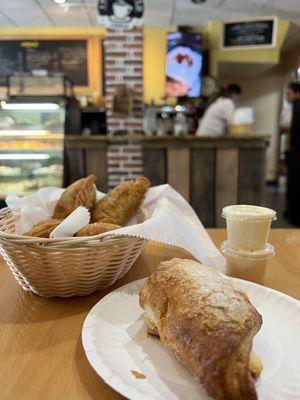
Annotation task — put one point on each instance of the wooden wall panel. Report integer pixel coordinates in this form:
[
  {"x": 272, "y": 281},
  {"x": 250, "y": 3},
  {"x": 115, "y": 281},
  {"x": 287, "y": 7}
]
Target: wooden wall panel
[
  {"x": 74, "y": 166},
  {"x": 96, "y": 164},
  {"x": 251, "y": 176},
  {"x": 178, "y": 170},
  {"x": 155, "y": 165},
  {"x": 210, "y": 174},
  {"x": 226, "y": 186},
  {"x": 202, "y": 181}
]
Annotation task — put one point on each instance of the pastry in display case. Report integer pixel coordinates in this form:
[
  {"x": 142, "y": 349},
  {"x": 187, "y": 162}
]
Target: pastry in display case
[
  {"x": 29, "y": 161},
  {"x": 32, "y": 128}
]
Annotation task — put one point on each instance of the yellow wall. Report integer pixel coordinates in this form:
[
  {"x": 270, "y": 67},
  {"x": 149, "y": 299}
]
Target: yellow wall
[
  {"x": 250, "y": 56},
  {"x": 154, "y": 63},
  {"x": 154, "y": 52}
]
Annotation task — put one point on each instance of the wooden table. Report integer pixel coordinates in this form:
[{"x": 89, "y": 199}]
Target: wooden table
[{"x": 41, "y": 355}]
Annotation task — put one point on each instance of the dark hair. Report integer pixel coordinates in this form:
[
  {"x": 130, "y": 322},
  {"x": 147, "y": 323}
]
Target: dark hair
[
  {"x": 233, "y": 88},
  {"x": 294, "y": 86}
]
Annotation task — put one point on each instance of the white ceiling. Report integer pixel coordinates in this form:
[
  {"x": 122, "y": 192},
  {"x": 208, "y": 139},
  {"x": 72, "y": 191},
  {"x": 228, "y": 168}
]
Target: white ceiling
[{"x": 27, "y": 13}]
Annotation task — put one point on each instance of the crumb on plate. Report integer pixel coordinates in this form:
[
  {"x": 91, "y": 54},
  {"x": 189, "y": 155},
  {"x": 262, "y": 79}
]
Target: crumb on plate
[{"x": 137, "y": 374}]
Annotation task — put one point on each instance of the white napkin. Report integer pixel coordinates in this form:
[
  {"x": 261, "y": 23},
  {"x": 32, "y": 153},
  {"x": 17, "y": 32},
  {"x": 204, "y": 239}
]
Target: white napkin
[
  {"x": 70, "y": 225},
  {"x": 33, "y": 207},
  {"x": 166, "y": 217}
]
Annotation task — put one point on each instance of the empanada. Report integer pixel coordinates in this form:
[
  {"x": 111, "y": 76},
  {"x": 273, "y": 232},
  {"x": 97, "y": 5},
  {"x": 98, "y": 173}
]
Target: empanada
[
  {"x": 80, "y": 193},
  {"x": 43, "y": 228},
  {"x": 207, "y": 322},
  {"x": 118, "y": 206},
  {"x": 96, "y": 228}
]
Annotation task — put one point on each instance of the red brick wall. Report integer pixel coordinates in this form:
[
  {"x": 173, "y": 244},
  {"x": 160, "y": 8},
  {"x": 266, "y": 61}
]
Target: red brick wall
[
  {"x": 124, "y": 162},
  {"x": 123, "y": 57}
]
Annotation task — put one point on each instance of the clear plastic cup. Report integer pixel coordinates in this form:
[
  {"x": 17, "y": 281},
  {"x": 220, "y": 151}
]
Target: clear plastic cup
[
  {"x": 248, "y": 226},
  {"x": 246, "y": 264}
]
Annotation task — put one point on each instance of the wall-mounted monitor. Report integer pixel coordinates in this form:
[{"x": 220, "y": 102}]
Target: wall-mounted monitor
[{"x": 184, "y": 60}]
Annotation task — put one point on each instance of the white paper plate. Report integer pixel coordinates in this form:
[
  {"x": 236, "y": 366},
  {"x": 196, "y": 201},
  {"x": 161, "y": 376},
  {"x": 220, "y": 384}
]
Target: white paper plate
[{"x": 115, "y": 341}]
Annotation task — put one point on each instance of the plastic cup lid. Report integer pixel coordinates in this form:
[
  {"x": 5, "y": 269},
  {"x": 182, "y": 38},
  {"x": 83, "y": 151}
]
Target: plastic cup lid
[
  {"x": 266, "y": 253},
  {"x": 245, "y": 212}
]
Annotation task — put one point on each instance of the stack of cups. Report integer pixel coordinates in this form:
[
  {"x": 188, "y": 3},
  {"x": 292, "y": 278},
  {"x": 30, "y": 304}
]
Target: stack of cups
[{"x": 246, "y": 249}]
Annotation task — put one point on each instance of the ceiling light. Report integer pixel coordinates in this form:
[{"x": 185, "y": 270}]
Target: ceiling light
[
  {"x": 59, "y": 1},
  {"x": 24, "y": 156},
  {"x": 198, "y": 1},
  {"x": 12, "y": 132}
]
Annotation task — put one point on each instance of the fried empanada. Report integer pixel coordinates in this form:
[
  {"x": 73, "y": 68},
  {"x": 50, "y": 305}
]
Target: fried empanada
[
  {"x": 96, "y": 228},
  {"x": 80, "y": 193},
  {"x": 120, "y": 203},
  {"x": 43, "y": 228},
  {"x": 207, "y": 322}
]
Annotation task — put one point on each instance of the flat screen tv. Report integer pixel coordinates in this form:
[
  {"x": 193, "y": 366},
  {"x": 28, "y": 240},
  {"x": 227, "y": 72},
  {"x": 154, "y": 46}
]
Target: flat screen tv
[{"x": 184, "y": 61}]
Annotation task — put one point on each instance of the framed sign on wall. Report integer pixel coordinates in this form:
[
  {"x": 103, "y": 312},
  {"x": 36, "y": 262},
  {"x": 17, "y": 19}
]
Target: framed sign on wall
[
  {"x": 68, "y": 57},
  {"x": 255, "y": 33}
]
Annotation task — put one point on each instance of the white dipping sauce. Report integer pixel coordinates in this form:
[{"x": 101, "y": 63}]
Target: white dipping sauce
[{"x": 248, "y": 226}]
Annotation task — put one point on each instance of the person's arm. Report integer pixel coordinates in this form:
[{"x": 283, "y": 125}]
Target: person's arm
[
  {"x": 227, "y": 110},
  {"x": 285, "y": 120}
]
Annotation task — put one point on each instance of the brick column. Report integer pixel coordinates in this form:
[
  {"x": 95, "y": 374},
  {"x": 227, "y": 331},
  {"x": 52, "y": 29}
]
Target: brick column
[{"x": 123, "y": 57}]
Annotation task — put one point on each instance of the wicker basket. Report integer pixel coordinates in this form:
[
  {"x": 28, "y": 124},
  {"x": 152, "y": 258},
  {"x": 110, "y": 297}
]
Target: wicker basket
[{"x": 66, "y": 267}]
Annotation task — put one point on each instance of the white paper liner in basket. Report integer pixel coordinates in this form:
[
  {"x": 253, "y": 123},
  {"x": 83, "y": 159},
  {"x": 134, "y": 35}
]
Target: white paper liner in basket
[{"x": 164, "y": 216}]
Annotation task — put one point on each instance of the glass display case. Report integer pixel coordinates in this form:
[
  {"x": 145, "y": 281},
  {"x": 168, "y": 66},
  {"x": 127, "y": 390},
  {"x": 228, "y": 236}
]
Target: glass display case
[
  {"x": 31, "y": 144},
  {"x": 28, "y": 84}
]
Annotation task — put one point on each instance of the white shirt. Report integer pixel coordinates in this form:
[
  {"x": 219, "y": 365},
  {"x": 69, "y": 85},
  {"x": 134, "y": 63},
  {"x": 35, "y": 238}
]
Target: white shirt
[
  {"x": 216, "y": 118},
  {"x": 286, "y": 115}
]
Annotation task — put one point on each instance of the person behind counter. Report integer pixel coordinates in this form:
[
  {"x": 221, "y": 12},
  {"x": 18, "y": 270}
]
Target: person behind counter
[
  {"x": 293, "y": 178},
  {"x": 218, "y": 115},
  {"x": 292, "y": 96}
]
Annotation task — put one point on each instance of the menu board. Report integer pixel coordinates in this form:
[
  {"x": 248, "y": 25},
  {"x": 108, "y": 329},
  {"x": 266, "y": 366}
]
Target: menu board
[
  {"x": 248, "y": 33},
  {"x": 68, "y": 57}
]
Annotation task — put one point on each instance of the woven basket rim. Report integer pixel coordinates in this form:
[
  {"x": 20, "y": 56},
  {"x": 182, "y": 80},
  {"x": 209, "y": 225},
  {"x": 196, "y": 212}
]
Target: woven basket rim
[{"x": 65, "y": 241}]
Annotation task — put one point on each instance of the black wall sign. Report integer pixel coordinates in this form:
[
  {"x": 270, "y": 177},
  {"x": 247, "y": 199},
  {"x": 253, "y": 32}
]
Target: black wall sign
[
  {"x": 121, "y": 14},
  {"x": 68, "y": 57},
  {"x": 248, "y": 33}
]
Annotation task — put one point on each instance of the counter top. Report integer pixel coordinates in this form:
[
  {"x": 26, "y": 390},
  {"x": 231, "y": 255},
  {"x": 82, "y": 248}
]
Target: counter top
[
  {"x": 187, "y": 138},
  {"x": 41, "y": 350}
]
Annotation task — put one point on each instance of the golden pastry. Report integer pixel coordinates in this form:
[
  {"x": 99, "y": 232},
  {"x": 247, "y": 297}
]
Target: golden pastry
[
  {"x": 207, "y": 322},
  {"x": 96, "y": 228},
  {"x": 80, "y": 193},
  {"x": 255, "y": 365},
  {"x": 119, "y": 204},
  {"x": 43, "y": 228}
]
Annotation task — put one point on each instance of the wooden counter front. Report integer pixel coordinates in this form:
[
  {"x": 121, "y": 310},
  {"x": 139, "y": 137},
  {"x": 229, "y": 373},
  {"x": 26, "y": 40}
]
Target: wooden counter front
[{"x": 209, "y": 172}]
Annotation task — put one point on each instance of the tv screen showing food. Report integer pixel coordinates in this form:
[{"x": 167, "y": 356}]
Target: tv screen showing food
[{"x": 184, "y": 61}]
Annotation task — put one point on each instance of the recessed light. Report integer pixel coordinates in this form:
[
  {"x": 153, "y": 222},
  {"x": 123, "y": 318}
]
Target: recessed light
[{"x": 59, "y": 1}]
